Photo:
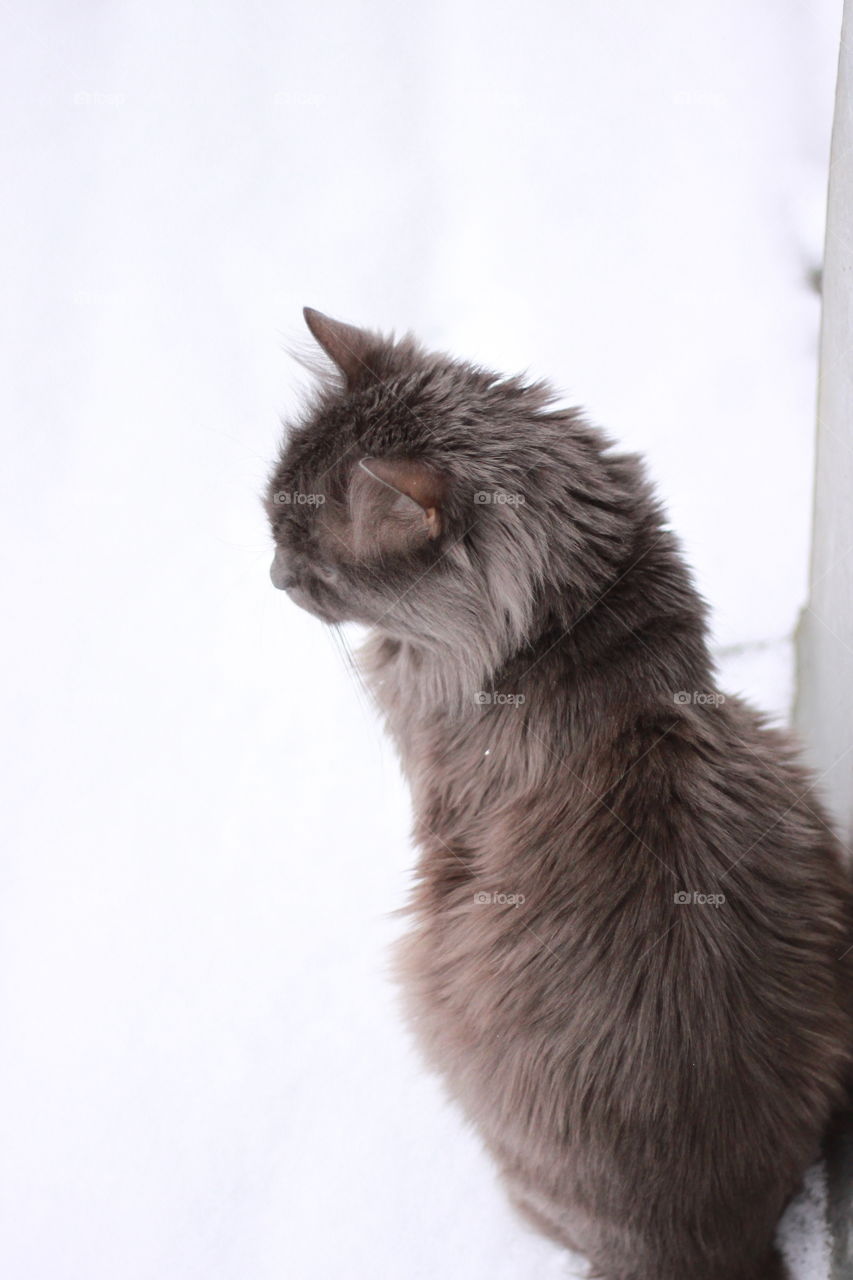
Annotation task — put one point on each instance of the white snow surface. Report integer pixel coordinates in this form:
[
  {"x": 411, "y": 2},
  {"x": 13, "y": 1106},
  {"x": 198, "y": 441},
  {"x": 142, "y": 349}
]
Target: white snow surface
[{"x": 204, "y": 1075}]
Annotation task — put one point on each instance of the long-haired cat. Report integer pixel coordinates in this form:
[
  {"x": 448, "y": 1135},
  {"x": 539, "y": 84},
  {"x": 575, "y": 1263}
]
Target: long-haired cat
[{"x": 631, "y": 951}]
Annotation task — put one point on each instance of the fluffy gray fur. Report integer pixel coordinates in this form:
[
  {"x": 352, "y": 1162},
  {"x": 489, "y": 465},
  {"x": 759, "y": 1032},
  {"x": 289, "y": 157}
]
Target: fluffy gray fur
[{"x": 652, "y": 1076}]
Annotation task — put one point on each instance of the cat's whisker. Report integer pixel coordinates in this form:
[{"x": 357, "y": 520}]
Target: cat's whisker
[{"x": 345, "y": 653}]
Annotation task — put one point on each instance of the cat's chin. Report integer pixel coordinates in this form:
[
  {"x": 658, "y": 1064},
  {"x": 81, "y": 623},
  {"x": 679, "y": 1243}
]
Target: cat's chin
[
  {"x": 330, "y": 619},
  {"x": 304, "y": 601}
]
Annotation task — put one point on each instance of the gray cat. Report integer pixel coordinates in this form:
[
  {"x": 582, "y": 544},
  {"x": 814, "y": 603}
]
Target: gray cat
[{"x": 631, "y": 955}]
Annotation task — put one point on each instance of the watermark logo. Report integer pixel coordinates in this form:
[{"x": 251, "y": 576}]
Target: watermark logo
[
  {"x": 98, "y": 297},
  {"x": 98, "y": 99},
  {"x": 295, "y": 98},
  {"x": 696, "y": 899},
  {"x": 498, "y": 498},
  {"x": 499, "y": 899},
  {"x": 291, "y": 497},
  {"x": 485, "y": 698},
  {"x": 698, "y": 698},
  {"x": 698, "y": 98}
]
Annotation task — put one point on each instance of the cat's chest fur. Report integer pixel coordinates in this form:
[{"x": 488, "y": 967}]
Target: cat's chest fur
[{"x": 508, "y": 943}]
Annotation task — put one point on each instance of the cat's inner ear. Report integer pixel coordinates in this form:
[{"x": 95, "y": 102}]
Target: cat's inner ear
[
  {"x": 396, "y": 504},
  {"x": 347, "y": 346}
]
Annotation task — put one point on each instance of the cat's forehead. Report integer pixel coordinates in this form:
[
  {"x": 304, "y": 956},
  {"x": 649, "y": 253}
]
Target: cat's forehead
[
  {"x": 435, "y": 412},
  {"x": 315, "y": 450},
  {"x": 388, "y": 418}
]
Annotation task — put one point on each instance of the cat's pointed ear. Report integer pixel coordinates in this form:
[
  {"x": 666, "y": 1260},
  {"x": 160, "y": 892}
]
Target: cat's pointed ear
[
  {"x": 344, "y": 344},
  {"x": 396, "y": 504}
]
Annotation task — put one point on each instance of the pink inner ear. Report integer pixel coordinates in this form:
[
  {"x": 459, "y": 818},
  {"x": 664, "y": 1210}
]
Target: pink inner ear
[
  {"x": 394, "y": 505},
  {"x": 413, "y": 478},
  {"x": 433, "y": 521}
]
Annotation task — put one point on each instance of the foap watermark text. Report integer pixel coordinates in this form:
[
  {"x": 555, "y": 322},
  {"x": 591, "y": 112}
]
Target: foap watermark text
[
  {"x": 698, "y": 698},
  {"x": 498, "y": 899},
  {"x": 696, "y": 899},
  {"x": 291, "y": 497}
]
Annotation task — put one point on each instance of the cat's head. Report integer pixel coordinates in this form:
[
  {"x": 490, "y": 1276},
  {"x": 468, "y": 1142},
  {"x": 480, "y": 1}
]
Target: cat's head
[{"x": 440, "y": 502}]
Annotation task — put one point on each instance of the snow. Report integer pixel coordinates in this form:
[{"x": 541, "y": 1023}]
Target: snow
[{"x": 204, "y": 1073}]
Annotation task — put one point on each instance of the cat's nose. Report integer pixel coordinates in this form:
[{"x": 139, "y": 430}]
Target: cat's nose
[{"x": 280, "y": 573}]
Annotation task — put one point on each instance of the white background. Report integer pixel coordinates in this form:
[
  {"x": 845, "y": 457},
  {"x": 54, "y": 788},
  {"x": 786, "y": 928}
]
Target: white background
[{"x": 203, "y": 1074}]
